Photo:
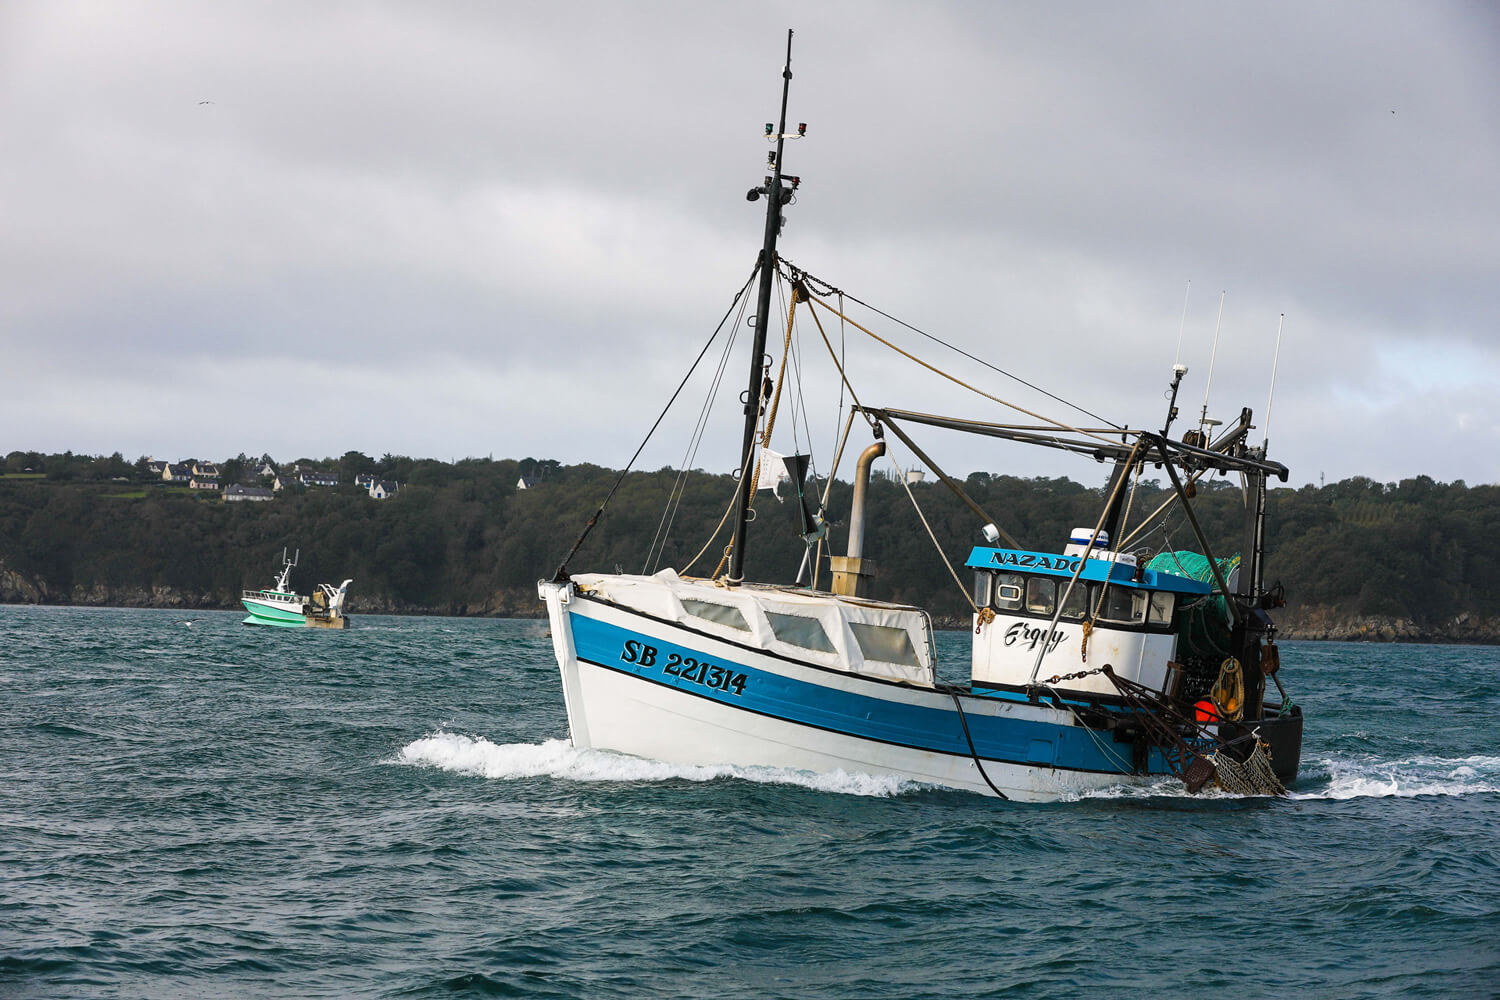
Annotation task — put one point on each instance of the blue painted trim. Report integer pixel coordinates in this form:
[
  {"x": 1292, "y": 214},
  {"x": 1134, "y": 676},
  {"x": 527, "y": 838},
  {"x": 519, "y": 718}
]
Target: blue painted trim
[
  {"x": 880, "y": 716},
  {"x": 1095, "y": 570}
]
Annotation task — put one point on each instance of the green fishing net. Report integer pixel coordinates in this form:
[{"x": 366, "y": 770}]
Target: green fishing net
[{"x": 1203, "y": 622}]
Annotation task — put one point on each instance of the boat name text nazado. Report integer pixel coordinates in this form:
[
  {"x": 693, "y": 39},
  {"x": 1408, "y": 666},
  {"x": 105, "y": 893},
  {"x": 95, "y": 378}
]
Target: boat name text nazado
[{"x": 1028, "y": 560}]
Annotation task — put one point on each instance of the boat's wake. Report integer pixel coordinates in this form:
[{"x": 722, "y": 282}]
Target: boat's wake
[
  {"x": 1346, "y": 777},
  {"x": 1326, "y": 778},
  {"x": 477, "y": 756}
]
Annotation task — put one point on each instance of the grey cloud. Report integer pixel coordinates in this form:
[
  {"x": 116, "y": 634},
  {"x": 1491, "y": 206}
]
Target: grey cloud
[{"x": 517, "y": 218}]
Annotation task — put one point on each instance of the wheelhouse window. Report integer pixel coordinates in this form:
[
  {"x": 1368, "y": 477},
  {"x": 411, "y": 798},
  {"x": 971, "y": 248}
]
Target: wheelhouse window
[
  {"x": 1009, "y": 588},
  {"x": 1162, "y": 605},
  {"x": 1123, "y": 604},
  {"x": 1076, "y": 606},
  {"x": 983, "y": 584},
  {"x": 1041, "y": 595}
]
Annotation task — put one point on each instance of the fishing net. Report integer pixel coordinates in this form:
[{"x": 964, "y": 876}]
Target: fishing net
[
  {"x": 1203, "y": 624},
  {"x": 1254, "y": 777}
]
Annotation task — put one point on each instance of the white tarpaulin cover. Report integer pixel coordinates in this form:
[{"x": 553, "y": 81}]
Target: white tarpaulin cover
[{"x": 855, "y": 636}]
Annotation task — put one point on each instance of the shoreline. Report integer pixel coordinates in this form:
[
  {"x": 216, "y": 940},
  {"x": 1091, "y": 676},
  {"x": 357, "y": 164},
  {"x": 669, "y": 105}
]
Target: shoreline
[{"x": 1300, "y": 625}]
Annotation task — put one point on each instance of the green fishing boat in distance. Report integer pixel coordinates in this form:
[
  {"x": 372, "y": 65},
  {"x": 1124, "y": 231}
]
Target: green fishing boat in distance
[{"x": 280, "y": 606}]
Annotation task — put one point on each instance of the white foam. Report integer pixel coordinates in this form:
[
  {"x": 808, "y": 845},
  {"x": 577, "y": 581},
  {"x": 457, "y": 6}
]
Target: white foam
[
  {"x": 1404, "y": 778},
  {"x": 1349, "y": 778},
  {"x": 559, "y": 759},
  {"x": 1346, "y": 778}
]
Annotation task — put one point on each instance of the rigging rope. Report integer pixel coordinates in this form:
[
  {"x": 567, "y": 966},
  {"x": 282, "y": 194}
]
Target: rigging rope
[
  {"x": 828, "y": 289},
  {"x": 679, "y": 486},
  {"x": 1078, "y": 570},
  {"x": 985, "y": 615},
  {"x": 1191, "y": 481},
  {"x": 961, "y": 383},
  {"x": 727, "y": 511},
  {"x": 562, "y": 568},
  {"x": 1093, "y": 618},
  {"x": 844, "y": 378}
]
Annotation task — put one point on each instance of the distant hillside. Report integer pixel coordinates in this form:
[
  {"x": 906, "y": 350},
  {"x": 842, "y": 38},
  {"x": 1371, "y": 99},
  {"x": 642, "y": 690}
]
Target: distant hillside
[{"x": 1360, "y": 559}]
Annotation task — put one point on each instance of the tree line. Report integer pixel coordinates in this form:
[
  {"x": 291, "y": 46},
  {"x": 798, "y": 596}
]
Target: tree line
[{"x": 462, "y": 538}]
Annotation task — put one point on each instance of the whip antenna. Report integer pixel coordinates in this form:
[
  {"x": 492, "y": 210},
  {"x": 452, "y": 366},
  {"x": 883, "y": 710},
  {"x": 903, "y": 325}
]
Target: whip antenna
[
  {"x": 1177, "y": 358},
  {"x": 1203, "y": 421},
  {"x": 1275, "y": 360}
]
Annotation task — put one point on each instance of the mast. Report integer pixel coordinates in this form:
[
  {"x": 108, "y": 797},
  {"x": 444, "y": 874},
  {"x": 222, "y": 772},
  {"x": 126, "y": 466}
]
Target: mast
[{"x": 754, "y": 397}]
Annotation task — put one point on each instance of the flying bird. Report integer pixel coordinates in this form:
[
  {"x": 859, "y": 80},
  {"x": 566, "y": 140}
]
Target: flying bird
[{"x": 210, "y": 102}]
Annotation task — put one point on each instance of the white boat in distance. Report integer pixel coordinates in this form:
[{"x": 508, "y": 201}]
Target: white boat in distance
[
  {"x": 278, "y": 605},
  {"x": 1090, "y": 667}
]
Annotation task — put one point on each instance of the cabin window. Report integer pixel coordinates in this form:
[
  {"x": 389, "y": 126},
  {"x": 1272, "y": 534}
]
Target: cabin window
[
  {"x": 885, "y": 643},
  {"x": 1160, "y": 612},
  {"x": 1008, "y": 588},
  {"x": 1123, "y": 604},
  {"x": 982, "y": 586},
  {"x": 1077, "y": 604},
  {"x": 1041, "y": 595},
  {"x": 799, "y": 630},
  {"x": 719, "y": 614}
]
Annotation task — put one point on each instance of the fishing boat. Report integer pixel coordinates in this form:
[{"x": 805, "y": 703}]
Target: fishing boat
[
  {"x": 279, "y": 605},
  {"x": 1093, "y": 664}
]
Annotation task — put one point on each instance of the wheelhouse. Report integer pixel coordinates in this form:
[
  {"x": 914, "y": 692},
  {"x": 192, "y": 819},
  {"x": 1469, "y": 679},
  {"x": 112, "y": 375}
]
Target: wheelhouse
[{"x": 1065, "y": 614}]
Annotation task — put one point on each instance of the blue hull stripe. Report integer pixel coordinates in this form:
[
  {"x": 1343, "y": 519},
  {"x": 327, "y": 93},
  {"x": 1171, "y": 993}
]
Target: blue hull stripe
[{"x": 883, "y": 719}]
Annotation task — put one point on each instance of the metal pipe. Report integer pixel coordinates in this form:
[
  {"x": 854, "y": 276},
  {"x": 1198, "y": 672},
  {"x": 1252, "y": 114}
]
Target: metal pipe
[
  {"x": 857, "y": 506},
  {"x": 838, "y": 456}
]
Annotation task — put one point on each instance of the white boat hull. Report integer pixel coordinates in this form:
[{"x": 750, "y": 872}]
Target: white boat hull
[{"x": 803, "y": 717}]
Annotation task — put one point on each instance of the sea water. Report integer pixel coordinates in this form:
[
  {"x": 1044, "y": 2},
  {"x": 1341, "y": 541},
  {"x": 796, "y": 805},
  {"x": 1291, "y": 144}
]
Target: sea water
[{"x": 192, "y": 807}]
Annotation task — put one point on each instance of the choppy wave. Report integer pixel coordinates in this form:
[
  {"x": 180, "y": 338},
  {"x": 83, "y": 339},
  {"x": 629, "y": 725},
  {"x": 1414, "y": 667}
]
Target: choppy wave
[
  {"x": 1349, "y": 778},
  {"x": 211, "y": 829},
  {"x": 559, "y": 759},
  {"x": 1365, "y": 777}
]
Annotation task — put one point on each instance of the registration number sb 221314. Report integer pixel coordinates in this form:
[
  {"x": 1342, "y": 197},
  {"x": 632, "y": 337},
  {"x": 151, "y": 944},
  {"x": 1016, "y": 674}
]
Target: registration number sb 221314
[{"x": 688, "y": 668}]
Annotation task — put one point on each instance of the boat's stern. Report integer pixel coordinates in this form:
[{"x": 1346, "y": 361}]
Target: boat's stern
[{"x": 1282, "y": 735}]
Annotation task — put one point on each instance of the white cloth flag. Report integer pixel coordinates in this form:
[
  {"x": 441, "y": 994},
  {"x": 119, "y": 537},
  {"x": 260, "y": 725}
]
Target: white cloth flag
[{"x": 772, "y": 472}]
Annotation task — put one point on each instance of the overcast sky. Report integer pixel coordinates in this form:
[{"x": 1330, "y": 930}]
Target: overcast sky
[{"x": 454, "y": 229}]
